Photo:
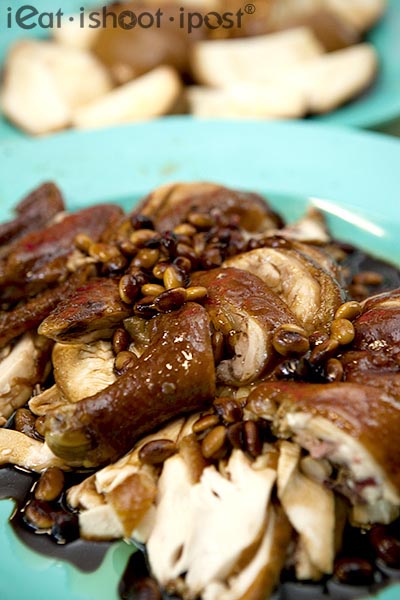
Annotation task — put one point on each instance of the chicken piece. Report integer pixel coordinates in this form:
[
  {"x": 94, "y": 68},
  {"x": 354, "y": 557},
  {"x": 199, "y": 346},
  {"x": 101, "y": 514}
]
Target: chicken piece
[
  {"x": 150, "y": 96},
  {"x": 311, "y": 293},
  {"x": 379, "y": 325},
  {"x": 247, "y": 312},
  {"x": 91, "y": 313},
  {"x": 310, "y": 507},
  {"x": 44, "y": 82},
  {"x": 33, "y": 212},
  {"x": 18, "y": 449},
  {"x": 110, "y": 504},
  {"x": 174, "y": 375},
  {"x": 40, "y": 258},
  {"x": 27, "y": 365},
  {"x": 374, "y": 356},
  {"x": 322, "y": 259},
  {"x": 120, "y": 500},
  {"x": 171, "y": 204},
  {"x": 260, "y": 59},
  {"x": 82, "y": 370},
  {"x": 389, "y": 299},
  {"x": 28, "y": 316},
  {"x": 353, "y": 426},
  {"x": 202, "y": 543},
  {"x": 258, "y": 579}
]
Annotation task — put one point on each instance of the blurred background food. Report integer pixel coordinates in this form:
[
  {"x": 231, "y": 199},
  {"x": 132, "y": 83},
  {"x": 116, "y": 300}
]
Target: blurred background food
[{"x": 269, "y": 59}]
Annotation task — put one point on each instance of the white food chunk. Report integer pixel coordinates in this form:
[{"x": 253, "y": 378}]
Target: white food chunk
[
  {"x": 149, "y": 96},
  {"x": 204, "y": 544},
  {"x": 221, "y": 63},
  {"x": 310, "y": 508}
]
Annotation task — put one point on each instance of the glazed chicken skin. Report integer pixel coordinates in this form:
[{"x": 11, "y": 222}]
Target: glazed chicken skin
[
  {"x": 33, "y": 213},
  {"x": 345, "y": 411},
  {"x": 40, "y": 258},
  {"x": 92, "y": 312},
  {"x": 102, "y": 427},
  {"x": 312, "y": 294},
  {"x": 243, "y": 308},
  {"x": 374, "y": 356},
  {"x": 170, "y": 205}
]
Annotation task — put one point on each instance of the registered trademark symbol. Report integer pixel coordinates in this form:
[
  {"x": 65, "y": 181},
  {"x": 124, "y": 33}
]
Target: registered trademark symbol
[{"x": 250, "y": 9}]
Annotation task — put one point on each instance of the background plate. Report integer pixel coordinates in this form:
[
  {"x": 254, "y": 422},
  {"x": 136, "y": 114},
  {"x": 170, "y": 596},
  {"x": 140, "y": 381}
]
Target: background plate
[
  {"x": 352, "y": 176},
  {"x": 378, "y": 107}
]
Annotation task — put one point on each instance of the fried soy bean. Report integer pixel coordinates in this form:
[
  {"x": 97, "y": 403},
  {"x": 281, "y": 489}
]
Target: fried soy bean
[
  {"x": 171, "y": 299},
  {"x": 183, "y": 264},
  {"x": 372, "y": 278},
  {"x": 205, "y": 423},
  {"x": 358, "y": 291},
  {"x": 124, "y": 361},
  {"x": 253, "y": 442},
  {"x": 39, "y": 514},
  {"x": 50, "y": 485},
  {"x": 120, "y": 341},
  {"x": 146, "y": 258},
  {"x": 145, "y": 307},
  {"x": 324, "y": 351},
  {"x": 159, "y": 269},
  {"x": 343, "y": 331},
  {"x": 172, "y": 278},
  {"x": 228, "y": 409},
  {"x": 290, "y": 339},
  {"x": 190, "y": 451},
  {"x": 141, "y": 236},
  {"x": 386, "y": 546},
  {"x": 200, "y": 221},
  {"x": 156, "y": 452},
  {"x": 129, "y": 288},
  {"x": 196, "y": 293},
  {"x": 25, "y": 422},
  {"x": 354, "y": 571},
  {"x": 185, "y": 229},
  {"x": 235, "y": 433},
  {"x": 349, "y": 310},
  {"x": 334, "y": 370},
  {"x": 142, "y": 222},
  {"x": 152, "y": 289},
  {"x": 83, "y": 242},
  {"x": 214, "y": 442}
]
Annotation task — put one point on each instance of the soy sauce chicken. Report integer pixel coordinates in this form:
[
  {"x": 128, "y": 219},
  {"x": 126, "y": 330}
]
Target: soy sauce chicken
[{"x": 239, "y": 409}]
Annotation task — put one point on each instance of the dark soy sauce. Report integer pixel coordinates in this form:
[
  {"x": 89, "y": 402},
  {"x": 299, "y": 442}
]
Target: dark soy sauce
[
  {"x": 16, "y": 484},
  {"x": 358, "y": 261}
]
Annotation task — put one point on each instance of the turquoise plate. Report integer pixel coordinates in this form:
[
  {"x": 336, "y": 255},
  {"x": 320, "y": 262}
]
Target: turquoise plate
[
  {"x": 377, "y": 108},
  {"x": 352, "y": 177}
]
